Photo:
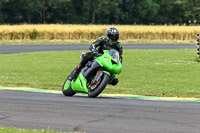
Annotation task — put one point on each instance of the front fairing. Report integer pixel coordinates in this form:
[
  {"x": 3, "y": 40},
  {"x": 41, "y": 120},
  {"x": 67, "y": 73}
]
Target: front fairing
[{"x": 109, "y": 63}]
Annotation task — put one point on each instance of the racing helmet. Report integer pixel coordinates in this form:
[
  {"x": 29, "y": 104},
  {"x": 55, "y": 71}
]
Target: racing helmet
[{"x": 113, "y": 34}]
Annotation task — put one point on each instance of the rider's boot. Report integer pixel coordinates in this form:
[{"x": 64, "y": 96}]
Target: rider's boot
[{"x": 74, "y": 73}]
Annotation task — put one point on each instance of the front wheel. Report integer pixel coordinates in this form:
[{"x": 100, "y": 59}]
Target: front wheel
[
  {"x": 67, "y": 89},
  {"x": 94, "y": 92}
]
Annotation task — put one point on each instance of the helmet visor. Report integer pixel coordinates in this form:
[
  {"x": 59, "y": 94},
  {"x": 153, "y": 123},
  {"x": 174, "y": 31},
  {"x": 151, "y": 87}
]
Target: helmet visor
[{"x": 114, "y": 37}]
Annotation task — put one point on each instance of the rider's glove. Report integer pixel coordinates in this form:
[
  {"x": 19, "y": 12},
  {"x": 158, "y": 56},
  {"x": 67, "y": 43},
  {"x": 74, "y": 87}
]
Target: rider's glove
[{"x": 95, "y": 52}]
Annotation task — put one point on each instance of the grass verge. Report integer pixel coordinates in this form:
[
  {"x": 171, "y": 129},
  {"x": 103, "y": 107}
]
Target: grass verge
[
  {"x": 145, "y": 72},
  {"x": 141, "y": 41},
  {"x": 15, "y": 130}
]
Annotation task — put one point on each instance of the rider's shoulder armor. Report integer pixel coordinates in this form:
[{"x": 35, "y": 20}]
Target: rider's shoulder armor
[
  {"x": 119, "y": 45},
  {"x": 103, "y": 38}
]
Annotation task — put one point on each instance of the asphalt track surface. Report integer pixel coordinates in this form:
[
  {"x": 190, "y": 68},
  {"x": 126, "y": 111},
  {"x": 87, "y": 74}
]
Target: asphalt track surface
[
  {"x": 100, "y": 115},
  {"x": 7, "y": 49}
]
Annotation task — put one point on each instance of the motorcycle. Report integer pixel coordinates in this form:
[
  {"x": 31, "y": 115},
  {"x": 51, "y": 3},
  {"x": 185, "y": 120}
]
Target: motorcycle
[{"x": 95, "y": 75}]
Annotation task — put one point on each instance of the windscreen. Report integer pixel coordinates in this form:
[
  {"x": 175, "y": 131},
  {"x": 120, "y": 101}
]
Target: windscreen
[{"x": 115, "y": 54}]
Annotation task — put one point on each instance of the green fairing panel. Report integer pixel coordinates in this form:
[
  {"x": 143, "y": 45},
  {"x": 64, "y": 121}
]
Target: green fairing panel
[
  {"x": 80, "y": 84},
  {"x": 105, "y": 60},
  {"x": 66, "y": 86}
]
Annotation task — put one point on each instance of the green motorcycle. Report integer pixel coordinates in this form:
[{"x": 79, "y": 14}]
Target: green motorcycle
[{"x": 96, "y": 74}]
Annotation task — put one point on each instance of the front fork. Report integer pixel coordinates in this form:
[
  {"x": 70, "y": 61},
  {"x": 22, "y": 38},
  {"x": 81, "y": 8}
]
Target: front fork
[
  {"x": 100, "y": 73},
  {"x": 97, "y": 78}
]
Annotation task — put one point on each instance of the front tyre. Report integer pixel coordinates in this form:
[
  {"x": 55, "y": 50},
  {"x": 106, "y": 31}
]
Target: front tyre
[
  {"x": 67, "y": 89},
  {"x": 93, "y": 93}
]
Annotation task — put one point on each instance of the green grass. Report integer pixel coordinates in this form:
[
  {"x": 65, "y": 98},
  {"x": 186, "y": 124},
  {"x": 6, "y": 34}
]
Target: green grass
[
  {"x": 15, "y": 130},
  {"x": 145, "y": 72},
  {"x": 142, "y": 41},
  {"x": 42, "y": 42}
]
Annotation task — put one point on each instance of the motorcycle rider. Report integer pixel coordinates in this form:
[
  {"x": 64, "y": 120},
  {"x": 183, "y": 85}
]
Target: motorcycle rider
[{"x": 102, "y": 43}]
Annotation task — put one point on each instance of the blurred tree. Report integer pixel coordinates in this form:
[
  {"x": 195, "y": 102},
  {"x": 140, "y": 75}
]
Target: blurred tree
[
  {"x": 59, "y": 11},
  {"x": 139, "y": 11},
  {"x": 100, "y": 11},
  {"x": 32, "y": 11},
  {"x": 170, "y": 12},
  {"x": 1, "y": 14},
  {"x": 107, "y": 12},
  {"x": 192, "y": 11},
  {"x": 11, "y": 11}
]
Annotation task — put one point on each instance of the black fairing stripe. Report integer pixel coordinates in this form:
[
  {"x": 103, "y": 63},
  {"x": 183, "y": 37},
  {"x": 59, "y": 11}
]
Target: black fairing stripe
[{"x": 90, "y": 69}]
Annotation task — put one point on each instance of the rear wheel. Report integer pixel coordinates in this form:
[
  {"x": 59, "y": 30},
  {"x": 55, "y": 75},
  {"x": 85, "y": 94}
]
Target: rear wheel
[
  {"x": 96, "y": 88},
  {"x": 67, "y": 89}
]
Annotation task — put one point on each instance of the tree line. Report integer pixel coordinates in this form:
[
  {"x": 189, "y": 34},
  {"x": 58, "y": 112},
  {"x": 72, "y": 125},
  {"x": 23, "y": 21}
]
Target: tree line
[{"x": 154, "y": 12}]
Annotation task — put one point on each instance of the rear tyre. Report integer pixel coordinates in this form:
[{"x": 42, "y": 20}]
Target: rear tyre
[
  {"x": 69, "y": 91},
  {"x": 100, "y": 87}
]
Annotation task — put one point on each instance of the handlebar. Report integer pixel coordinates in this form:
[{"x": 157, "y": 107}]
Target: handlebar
[{"x": 96, "y": 54}]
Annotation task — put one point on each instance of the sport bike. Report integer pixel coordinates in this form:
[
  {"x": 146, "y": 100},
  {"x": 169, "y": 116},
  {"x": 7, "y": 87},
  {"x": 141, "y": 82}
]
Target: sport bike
[{"x": 95, "y": 75}]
